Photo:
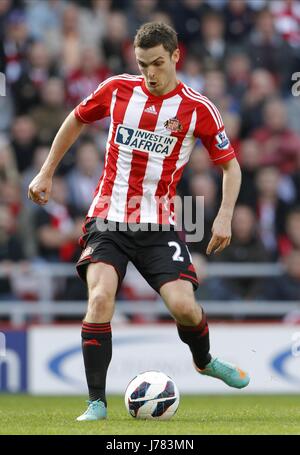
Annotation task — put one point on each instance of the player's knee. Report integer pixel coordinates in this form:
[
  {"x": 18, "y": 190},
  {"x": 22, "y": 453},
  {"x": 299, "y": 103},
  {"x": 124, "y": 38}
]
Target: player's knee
[
  {"x": 100, "y": 302},
  {"x": 185, "y": 311}
]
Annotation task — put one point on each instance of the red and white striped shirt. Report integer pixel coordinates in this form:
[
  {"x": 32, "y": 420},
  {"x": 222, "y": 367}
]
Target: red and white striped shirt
[{"x": 149, "y": 143}]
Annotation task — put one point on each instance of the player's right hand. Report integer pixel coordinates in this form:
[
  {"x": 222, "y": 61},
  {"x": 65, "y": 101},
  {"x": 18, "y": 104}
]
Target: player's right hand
[{"x": 39, "y": 189}]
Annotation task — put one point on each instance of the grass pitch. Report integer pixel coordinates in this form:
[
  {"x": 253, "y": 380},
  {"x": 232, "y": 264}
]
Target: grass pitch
[{"x": 235, "y": 415}]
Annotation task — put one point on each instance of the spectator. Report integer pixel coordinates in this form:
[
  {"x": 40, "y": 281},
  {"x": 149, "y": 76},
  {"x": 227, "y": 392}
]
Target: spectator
[
  {"x": 216, "y": 90},
  {"x": 116, "y": 42},
  {"x": 238, "y": 21},
  {"x": 14, "y": 46},
  {"x": 138, "y": 13},
  {"x": 39, "y": 156},
  {"x": 287, "y": 286},
  {"x": 268, "y": 50},
  {"x": 93, "y": 20},
  {"x": 238, "y": 71},
  {"x": 280, "y": 145},
  {"x": 250, "y": 160},
  {"x": 58, "y": 226},
  {"x": 44, "y": 18},
  {"x": 262, "y": 87},
  {"x": 11, "y": 250},
  {"x": 287, "y": 20},
  {"x": 8, "y": 167},
  {"x": 23, "y": 140},
  {"x": 191, "y": 73},
  {"x": 83, "y": 178},
  {"x": 86, "y": 78},
  {"x": 5, "y": 9},
  {"x": 271, "y": 209},
  {"x": 187, "y": 16},
  {"x": 205, "y": 186},
  {"x": 35, "y": 73},
  {"x": 211, "y": 47},
  {"x": 64, "y": 44},
  {"x": 50, "y": 114},
  {"x": 296, "y": 179},
  {"x": 291, "y": 239},
  {"x": 245, "y": 247}
]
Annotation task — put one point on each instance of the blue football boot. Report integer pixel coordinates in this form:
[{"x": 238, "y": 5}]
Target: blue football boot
[{"x": 95, "y": 411}]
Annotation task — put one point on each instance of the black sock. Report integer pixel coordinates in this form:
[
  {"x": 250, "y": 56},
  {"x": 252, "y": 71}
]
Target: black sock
[
  {"x": 197, "y": 338},
  {"x": 97, "y": 352}
]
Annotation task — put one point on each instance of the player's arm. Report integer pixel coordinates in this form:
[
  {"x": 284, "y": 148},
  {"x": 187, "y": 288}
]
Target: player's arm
[
  {"x": 221, "y": 229},
  {"x": 210, "y": 128},
  {"x": 40, "y": 187}
]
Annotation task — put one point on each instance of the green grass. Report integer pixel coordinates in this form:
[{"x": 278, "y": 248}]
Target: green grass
[{"x": 244, "y": 414}]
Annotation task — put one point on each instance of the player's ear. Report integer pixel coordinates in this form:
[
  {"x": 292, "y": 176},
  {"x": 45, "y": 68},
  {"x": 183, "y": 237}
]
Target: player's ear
[{"x": 176, "y": 55}]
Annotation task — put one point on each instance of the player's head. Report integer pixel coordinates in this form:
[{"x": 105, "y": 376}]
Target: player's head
[{"x": 156, "y": 50}]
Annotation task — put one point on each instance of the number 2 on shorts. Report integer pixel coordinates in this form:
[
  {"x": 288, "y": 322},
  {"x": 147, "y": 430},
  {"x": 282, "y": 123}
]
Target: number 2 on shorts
[{"x": 176, "y": 256}]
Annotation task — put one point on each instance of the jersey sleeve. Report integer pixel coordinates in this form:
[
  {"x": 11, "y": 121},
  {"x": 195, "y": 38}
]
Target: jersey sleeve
[
  {"x": 97, "y": 105},
  {"x": 210, "y": 129}
]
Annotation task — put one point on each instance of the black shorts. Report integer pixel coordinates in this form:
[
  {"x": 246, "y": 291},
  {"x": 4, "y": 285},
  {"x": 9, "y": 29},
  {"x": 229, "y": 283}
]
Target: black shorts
[{"x": 160, "y": 256}]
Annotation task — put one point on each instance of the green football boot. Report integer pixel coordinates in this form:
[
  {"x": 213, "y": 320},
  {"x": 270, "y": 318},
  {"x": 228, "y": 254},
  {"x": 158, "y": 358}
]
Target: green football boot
[{"x": 230, "y": 374}]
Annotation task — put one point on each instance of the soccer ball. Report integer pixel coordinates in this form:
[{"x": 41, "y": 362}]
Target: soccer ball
[{"x": 152, "y": 395}]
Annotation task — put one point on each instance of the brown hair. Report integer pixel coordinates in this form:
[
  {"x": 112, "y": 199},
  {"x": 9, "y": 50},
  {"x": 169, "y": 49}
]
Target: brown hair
[{"x": 153, "y": 34}]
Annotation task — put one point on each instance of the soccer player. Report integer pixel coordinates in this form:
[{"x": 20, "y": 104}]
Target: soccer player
[{"x": 155, "y": 119}]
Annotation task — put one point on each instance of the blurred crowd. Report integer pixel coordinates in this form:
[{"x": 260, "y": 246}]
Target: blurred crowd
[{"x": 240, "y": 54}]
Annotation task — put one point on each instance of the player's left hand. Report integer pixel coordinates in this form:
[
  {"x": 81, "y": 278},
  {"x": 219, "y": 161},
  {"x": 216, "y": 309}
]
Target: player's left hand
[{"x": 221, "y": 234}]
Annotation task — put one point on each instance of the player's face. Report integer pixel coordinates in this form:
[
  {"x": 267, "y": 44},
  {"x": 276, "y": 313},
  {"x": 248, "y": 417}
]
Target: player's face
[{"x": 158, "y": 68}]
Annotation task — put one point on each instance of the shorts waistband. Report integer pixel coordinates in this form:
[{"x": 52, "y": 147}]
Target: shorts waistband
[{"x": 134, "y": 227}]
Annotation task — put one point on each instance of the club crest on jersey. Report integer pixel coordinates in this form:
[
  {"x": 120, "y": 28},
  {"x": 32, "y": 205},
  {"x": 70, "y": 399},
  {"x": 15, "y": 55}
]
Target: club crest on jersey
[
  {"x": 222, "y": 140},
  {"x": 87, "y": 252},
  {"x": 173, "y": 124},
  {"x": 144, "y": 141}
]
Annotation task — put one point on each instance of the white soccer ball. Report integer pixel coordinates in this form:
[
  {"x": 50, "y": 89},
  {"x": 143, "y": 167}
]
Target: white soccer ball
[{"x": 152, "y": 395}]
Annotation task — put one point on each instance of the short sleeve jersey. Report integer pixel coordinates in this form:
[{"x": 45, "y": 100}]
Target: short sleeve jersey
[{"x": 149, "y": 143}]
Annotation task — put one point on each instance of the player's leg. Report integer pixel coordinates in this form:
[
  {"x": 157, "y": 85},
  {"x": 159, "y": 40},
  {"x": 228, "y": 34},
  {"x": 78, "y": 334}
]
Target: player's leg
[
  {"x": 102, "y": 265},
  {"x": 166, "y": 264},
  {"x": 190, "y": 318},
  {"x": 193, "y": 330},
  {"x": 168, "y": 268},
  {"x": 102, "y": 281}
]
